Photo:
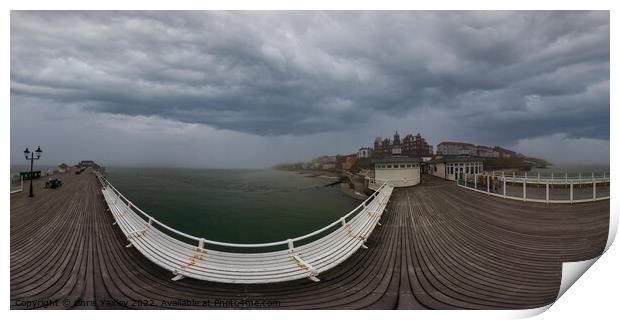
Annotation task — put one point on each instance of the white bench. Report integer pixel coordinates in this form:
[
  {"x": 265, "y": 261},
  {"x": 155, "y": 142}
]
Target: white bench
[{"x": 331, "y": 246}]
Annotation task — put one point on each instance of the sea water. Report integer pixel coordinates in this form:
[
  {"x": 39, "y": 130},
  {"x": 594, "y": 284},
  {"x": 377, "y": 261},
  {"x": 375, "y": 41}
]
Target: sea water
[{"x": 241, "y": 206}]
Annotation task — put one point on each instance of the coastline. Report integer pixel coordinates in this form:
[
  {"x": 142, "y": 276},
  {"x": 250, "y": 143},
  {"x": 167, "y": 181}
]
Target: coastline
[{"x": 356, "y": 192}]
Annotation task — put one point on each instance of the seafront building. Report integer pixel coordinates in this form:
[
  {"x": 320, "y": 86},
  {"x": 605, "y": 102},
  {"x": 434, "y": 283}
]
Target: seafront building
[
  {"x": 449, "y": 167},
  {"x": 364, "y": 153},
  {"x": 462, "y": 148},
  {"x": 410, "y": 146}
]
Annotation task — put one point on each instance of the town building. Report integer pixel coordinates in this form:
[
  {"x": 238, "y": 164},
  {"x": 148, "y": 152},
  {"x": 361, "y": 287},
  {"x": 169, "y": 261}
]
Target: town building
[
  {"x": 486, "y": 152},
  {"x": 410, "y": 145},
  {"x": 456, "y": 148},
  {"x": 349, "y": 162},
  {"x": 416, "y": 145},
  {"x": 325, "y": 159},
  {"x": 504, "y": 153},
  {"x": 461, "y": 148},
  {"x": 449, "y": 167},
  {"x": 401, "y": 171},
  {"x": 364, "y": 153}
]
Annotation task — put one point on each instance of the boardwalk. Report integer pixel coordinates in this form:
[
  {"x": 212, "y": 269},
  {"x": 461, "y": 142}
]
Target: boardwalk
[{"x": 439, "y": 247}]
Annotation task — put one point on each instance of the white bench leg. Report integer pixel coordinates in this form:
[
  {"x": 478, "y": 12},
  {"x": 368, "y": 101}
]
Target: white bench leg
[{"x": 177, "y": 277}]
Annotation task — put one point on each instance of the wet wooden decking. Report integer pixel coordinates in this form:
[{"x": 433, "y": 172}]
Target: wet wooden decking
[{"x": 439, "y": 247}]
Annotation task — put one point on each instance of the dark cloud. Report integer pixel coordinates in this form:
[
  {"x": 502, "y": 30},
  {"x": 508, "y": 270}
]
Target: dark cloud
[{"x": 506, "y": 75}]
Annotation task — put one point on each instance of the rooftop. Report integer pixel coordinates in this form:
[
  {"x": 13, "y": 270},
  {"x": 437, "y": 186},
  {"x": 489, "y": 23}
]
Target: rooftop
[
  {"x": 457, "y": 143},
  {"x": 455, "y": 158},
  {"x": 397, "y": 159}
]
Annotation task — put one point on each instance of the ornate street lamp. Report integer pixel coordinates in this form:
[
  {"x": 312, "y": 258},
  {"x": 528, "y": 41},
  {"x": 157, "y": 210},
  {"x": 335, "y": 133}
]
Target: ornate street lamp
[{"x": 30, "y": 155}]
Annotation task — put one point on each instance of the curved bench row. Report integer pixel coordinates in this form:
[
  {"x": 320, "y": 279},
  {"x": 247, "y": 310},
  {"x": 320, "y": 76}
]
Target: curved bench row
[{"x": 198, "y": 262}]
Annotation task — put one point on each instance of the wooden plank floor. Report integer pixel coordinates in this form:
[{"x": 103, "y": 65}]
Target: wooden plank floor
[{"x": 439, "y": 247}]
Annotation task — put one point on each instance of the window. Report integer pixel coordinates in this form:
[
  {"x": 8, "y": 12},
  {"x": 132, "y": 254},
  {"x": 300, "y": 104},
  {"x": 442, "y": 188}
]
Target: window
[
  {"x": 408, "y": 165},
  {"x": 389, "y": 166}
]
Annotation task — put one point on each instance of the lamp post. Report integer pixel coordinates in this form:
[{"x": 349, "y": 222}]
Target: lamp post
[{"x": 30, "y": 155}]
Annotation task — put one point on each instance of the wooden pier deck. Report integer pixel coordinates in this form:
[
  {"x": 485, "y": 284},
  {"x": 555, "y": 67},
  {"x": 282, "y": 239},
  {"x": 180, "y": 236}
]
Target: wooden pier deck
[{"x": 439, "y": 247}]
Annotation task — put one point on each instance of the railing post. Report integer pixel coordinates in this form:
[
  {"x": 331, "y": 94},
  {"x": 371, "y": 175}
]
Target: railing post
[
  {"x": 291, "y": 248},
  {"x": 524, "y": 192},
  {"x": 579, "y": 180},
  {"x": 488, "y": 185},
  {"x": 593, "y": 189},
  {"x": 571, "y": 192},
  {"x": 547, "y": 192},
  {"x": 504, "y": 188},
  {"x": 539, "y": 177},
  {"x": 552, "y": 179},
  {"x": 476, "y": 181},
  {"x": 201, "y": 243}
]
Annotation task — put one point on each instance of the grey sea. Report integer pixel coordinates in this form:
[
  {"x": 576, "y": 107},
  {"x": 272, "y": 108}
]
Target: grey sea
[{"x": 242, "y": 206}]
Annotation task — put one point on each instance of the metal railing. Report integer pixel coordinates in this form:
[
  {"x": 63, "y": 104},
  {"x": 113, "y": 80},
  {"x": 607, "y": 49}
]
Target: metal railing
[
  {"x": 17, "y": 183},
  {"x": 545, "y": 188},
  {"x": 202, "y": 241}
]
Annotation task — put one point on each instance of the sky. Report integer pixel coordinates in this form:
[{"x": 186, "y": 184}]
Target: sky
[{"x": 227, "y": 89}]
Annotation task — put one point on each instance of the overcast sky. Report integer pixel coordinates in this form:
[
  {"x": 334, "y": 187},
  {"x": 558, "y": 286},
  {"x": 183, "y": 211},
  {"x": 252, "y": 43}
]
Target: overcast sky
[{"x": 251, "y": 89}]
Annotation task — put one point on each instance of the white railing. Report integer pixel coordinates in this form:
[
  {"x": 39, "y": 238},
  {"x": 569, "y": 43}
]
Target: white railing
[
  {"x": 558, "y": 188},
  {"x": 334, "y": 246}
]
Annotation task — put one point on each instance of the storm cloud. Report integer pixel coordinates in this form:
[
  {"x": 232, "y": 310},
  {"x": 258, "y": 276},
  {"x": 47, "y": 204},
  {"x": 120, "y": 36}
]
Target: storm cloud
[{"x": 499, "y": 78}]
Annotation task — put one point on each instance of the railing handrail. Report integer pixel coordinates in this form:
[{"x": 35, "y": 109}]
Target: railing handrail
[
  {"x": 488, "y": 180},
  {"x": 151, "y": 219},
  {"x": 552, "y": 178}
]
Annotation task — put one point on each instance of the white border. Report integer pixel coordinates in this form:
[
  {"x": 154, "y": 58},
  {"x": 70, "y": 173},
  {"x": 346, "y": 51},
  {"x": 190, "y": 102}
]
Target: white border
[{"x": 594, "y": 294}]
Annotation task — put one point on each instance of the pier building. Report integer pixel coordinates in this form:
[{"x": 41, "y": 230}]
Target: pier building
[
  {"x": 449, "y": 167},
  {"x": 401, "y": 171}
]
